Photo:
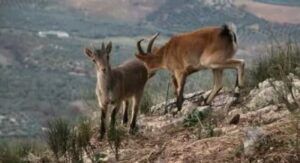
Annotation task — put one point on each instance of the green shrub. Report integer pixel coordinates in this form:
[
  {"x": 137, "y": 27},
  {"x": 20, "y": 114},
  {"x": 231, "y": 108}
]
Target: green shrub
[
  {"x": 80, "y": 141},
  {"x": 69, "y": 141},
  {"x": 13, "y": 153},
  {"x": 286, "y": 56},
  {"x": 194, "y": 118},
  {"x": 16, "y": 151},
  {"x": 84, "y": 133},
  {"x": 115, "y": 136},
  {"x": 74, "y": 151},
  {"x": 58, "y": 136},
  {"x": 204, "y": 121},
  {"x": 206, "y": 130}
]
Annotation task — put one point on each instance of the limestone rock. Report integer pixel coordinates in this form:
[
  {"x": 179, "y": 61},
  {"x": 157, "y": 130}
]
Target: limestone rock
[
  {"x": 253, "y": 136},
  {"x": 269, "y": 92}
]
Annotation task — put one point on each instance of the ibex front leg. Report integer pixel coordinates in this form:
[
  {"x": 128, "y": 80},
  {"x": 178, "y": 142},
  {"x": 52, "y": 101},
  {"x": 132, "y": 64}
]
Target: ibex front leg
[
  {"x": 113, "y": 115},
  {"x": 180, "y": 78},
  {"x": 103, "y": 120},
  {"x": 175, "y": 84}
]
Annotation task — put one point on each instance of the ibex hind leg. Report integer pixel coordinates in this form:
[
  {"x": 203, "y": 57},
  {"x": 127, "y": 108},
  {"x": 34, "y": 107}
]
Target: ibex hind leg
[
  {"x": 237, "y": 64},
  {"x": 217, "y": 77},
  {"x": 240, "y": 78},
  {"x": 125, "y": 112},
  {"x": 135, "y": 108},
  {"x": 237, "y": 88}
]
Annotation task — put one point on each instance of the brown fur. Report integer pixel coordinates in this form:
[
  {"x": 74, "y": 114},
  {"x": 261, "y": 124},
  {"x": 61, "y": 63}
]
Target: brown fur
[
  {"x": 206, "y": 48},
  {"x": 118, "y": 85}
]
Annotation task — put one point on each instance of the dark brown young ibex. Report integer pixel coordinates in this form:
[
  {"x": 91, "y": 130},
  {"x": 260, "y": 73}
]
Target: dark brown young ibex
[
  {"x": 207, "y": 48},
  {"x": 118, "y": 85}
]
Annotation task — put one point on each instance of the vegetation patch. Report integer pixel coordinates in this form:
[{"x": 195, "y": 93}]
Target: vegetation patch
[
  {"x": 17, "y": 150},
  {"x": 204, "y": 122},
  {"x": 280, "y": 60},
  {"x": 71, "y": 143}
]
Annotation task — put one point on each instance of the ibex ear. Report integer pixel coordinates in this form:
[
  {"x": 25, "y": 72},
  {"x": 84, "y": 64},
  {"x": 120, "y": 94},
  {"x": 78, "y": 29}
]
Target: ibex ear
[
  {"x": 88, "y": 52},
  {"x": 108, "y": 47},
  {"x": 102, "y": 46}
]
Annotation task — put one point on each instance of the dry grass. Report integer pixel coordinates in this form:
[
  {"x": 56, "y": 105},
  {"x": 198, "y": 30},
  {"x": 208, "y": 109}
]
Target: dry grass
[{"x": 281, "y": 59}]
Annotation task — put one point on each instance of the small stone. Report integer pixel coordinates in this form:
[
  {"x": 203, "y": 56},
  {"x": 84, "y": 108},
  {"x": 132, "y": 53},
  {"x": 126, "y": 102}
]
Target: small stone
[
  {"x": 253, "y": 135},
  {"x": 217, "y": 132},
  {"x": 204, "y": 109}
]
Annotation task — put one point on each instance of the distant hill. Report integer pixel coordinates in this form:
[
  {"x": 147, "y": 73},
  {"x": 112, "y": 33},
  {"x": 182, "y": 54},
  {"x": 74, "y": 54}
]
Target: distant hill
[
  {"x": 181, "y": 16},
  {"x": 281, "y": 2},
  {"x": 125, "y": 10},
  {"x": 283, "y": 14}
]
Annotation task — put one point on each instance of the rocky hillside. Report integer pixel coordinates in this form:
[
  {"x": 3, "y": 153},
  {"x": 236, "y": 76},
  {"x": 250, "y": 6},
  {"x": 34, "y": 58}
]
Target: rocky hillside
[
  {"x": 263, "y": 125},
  {"x": 259, "y": 127},
  {"x": 44, "y": 73}
]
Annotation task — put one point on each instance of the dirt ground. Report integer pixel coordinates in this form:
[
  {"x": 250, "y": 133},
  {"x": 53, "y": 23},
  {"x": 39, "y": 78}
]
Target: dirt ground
[{"x": 164, "y": 138}]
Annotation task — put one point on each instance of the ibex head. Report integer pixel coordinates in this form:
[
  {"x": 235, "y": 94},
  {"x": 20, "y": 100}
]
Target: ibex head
[
  {"x": 100, "y": 57},
  {"x": 150, "y": 59}
]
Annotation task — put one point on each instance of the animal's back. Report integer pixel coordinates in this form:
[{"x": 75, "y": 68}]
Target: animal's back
[
  {"x": 134, "y": 75},
  {"x": 187, "y": 49}
]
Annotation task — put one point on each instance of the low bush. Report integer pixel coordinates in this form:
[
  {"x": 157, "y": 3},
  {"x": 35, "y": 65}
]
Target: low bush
[
  {"x": 70, "y": 142},
  {"x": 204, "y": 121},
  {"x": 58, "y": 136},
  {"x": 286, "y": 57},
  {"x": 16, "y": 151},
  {"x": 115, "y": 136}
]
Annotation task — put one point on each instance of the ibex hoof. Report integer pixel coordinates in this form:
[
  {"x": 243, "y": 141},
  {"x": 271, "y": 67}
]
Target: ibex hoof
[
  {"x": 175, "y": 112},
  {"x": 179, "y": 105},
  {"x": 236, "y": 92},
  {"x": 237, "y": 95},
  {"x": 125, "y": 122},
  {"x": 101, "y": 137},
  {"x": 133, "y": 131},
  {"x": 203, "y": 101}
]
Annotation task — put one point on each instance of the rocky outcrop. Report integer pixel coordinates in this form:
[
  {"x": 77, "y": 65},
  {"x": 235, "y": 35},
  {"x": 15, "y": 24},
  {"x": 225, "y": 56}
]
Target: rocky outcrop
[
  {"x": 268, "y": 92},
  {"x": 234, "y": 132},
  {"x": 254, "y": 127}
]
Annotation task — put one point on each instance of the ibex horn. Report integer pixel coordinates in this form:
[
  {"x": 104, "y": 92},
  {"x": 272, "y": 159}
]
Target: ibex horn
[
  {"x": 140, "y": 48},
  {"x": 151, "y": 43}
]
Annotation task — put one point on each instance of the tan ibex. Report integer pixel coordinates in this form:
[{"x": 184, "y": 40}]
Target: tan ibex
[
  {"x": 206, "y": 48},
  {"x": 118, "y": 85}
]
